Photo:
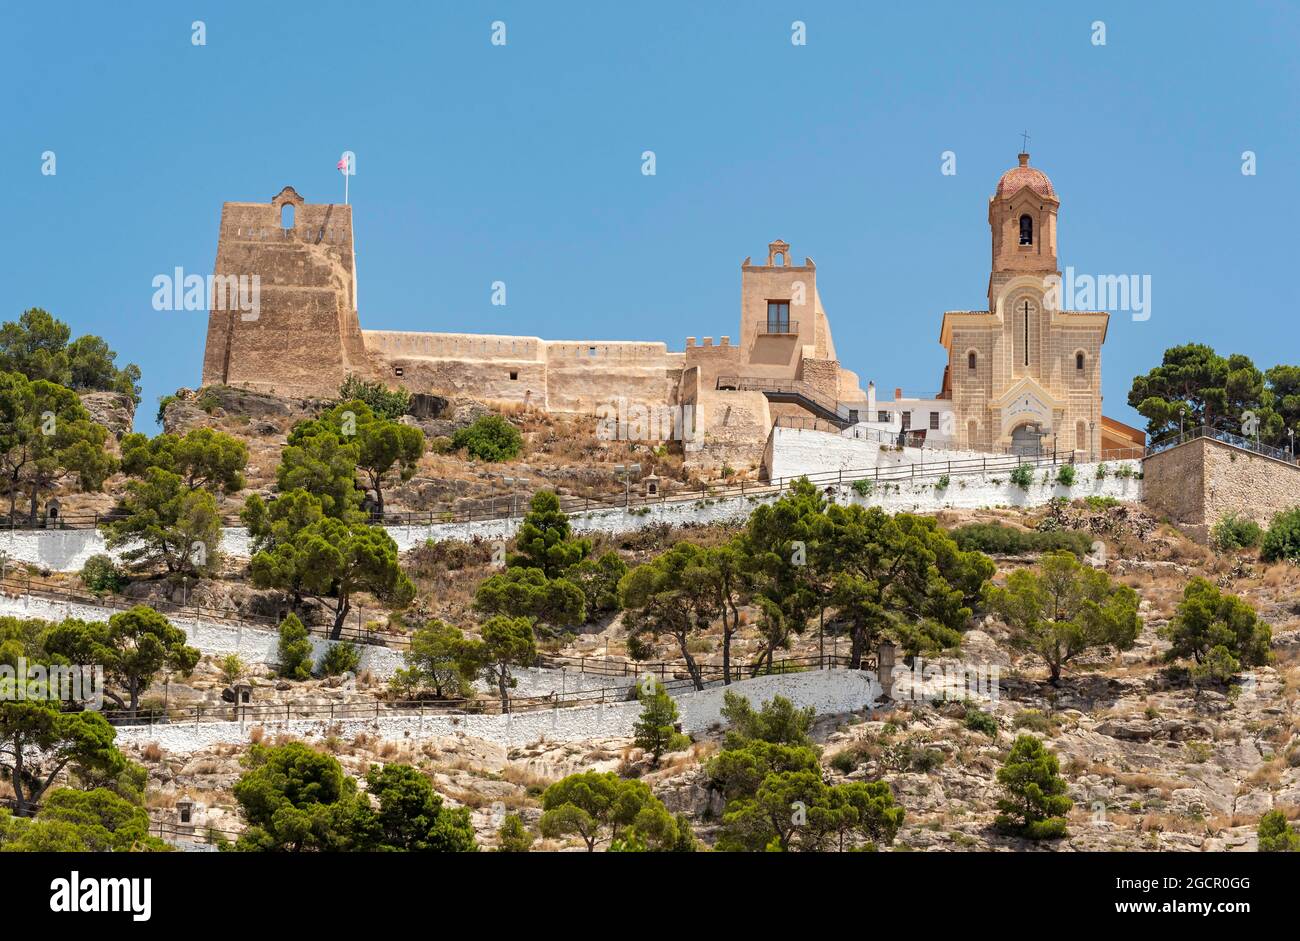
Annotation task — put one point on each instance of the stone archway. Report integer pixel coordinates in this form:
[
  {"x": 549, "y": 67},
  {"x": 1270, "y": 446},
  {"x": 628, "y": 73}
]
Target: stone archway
[{"x": 1027, "y": 439}]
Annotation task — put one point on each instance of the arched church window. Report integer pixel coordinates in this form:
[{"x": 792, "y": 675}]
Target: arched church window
[
  {"x": 286, "y": 216},
  {"x": 970, "y": 359},
  {"x": 1026, "y": 230},
  {"x": 1078, "y": 361}
]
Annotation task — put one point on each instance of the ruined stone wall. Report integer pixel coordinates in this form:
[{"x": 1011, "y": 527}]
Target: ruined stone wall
[
  {"x": 823, "y": 375},
  {"x": 585, "y": 375},
  {"x": 1196, "y": 484},
  {"x": 495, "y": 368},
  {"x": 733, "y": 428},
  {"x": 564, "y": 376},
  {"x": 713, "y": 360}
]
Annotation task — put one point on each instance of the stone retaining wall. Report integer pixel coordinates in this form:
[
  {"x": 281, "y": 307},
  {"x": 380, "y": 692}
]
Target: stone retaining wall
[{"x": 1196, "y": 483}]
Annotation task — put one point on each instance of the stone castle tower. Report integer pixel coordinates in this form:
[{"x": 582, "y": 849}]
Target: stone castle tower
[{"x": 304, "y": 336}]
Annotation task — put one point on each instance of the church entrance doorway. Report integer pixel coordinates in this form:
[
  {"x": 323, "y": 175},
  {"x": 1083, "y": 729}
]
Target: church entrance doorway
[{"x": 1027, "y": 440}]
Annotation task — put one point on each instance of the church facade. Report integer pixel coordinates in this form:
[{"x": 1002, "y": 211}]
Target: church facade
[{"x": 1024, "y": 374}]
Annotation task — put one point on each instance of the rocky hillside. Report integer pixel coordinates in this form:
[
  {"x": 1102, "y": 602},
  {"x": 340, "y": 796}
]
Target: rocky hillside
[{"x": 1153, "y": 761}]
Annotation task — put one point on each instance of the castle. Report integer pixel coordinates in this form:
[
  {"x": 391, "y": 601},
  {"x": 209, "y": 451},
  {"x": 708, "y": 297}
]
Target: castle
[{"x": 1021, "y": 375}]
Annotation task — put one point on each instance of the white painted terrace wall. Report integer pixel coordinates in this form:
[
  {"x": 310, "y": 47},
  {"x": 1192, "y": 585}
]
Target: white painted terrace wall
[
  {"x": 827, "y": 691},
  {"x": 262, "y": 646},
  {"x": 252, "y": 645},
  {"x": 797, "y": 451},
  {"x": 994, "y": 489},
  {"x": 67, "y": 550}
]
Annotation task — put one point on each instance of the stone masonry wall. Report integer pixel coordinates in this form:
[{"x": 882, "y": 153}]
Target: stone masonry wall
[{"x": 1197, "y": 483}]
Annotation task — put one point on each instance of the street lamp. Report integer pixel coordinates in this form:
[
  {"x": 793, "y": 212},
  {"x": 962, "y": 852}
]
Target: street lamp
[
  {"x": 627, "y": 471},
  {"x": 511, "y": 482}
]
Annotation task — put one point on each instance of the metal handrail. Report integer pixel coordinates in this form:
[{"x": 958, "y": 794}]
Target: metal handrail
[{"x": 1225, "y": 437}]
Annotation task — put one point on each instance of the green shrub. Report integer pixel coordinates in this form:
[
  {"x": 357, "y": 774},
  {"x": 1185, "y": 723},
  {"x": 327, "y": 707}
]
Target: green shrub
[
  {"x": 1283, "y": 538},
  {"x": 1233, "y": 532},
  {"x": 1035, "y": 721},
  {"x": 163, "y": 402},
  {"x": 1276, "y": 835},
  {"x": 979, "y": 721},
  {"x": 1023, "y": 476},
  {"x": 490, "y": 438},
  {"x": 1124, "y": 471},
  {"x": 294, "y": 650},
  {"x": 942, "y": 483},
  {"x": 101, "y": 575},
  {"x": 513, "y": 836},
  {"x": 384, "y": 402},
  {"x": 1100, "y": 503},
  {"x": 1102, "y": 470},
  {"x": 342, "y": 657},
  {"x": 441, "y": 445},
  {"x": 1006, "y": 540},
  {"x": 845, "y": 762},
  {"x": 1065, "y": 476},
  {"x": 862, "y": 487}
]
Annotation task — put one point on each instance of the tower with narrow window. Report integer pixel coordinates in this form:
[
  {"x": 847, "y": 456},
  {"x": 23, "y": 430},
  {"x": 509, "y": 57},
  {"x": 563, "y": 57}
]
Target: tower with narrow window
[
  {"x": 302, "y": 336},
  {"x": 1025, "y": 375}
]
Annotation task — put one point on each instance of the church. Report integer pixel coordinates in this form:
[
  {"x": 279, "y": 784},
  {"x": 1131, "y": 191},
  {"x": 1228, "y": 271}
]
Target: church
[{"x": 1022, "y": 375}]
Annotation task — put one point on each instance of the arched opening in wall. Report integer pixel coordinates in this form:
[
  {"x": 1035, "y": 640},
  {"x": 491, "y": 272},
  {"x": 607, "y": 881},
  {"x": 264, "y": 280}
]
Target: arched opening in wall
[
  {"x": 286, "y": 216},
  {"x": 779, "y": 259},
  {"x": 1026, "y": 230},
  {"x": 971, "y": 360},
  {"x": 1026, "y": 440},
  {"x": 1079, "y": 361}
]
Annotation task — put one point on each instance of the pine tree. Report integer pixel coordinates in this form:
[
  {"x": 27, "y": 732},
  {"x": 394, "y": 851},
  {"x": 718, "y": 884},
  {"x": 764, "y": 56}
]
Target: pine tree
[{"x": 656, "y": 729}]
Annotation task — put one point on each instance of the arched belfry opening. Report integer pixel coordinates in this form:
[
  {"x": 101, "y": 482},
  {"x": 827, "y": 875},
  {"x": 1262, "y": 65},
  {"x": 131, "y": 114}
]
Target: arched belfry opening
[{"x": 1026, "y": 229}]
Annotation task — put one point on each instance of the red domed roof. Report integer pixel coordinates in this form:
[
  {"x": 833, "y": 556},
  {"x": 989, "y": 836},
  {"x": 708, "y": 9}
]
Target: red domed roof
[{"x": 1024, "y": 175}]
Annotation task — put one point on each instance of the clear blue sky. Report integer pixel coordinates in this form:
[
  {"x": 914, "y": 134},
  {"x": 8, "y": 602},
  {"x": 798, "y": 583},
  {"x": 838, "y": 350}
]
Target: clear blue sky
[{"x": 522, "y": 163}]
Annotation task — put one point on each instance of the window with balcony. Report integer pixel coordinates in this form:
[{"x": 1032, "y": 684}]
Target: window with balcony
[{"x": 778, "y": 316}]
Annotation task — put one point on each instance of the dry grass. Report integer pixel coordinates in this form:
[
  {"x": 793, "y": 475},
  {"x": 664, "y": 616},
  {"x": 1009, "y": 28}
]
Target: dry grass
[
  {"x": 1145, "y": 781},
  {"x": 524, "y": 777},
  {"x": 151, "y": 752}
]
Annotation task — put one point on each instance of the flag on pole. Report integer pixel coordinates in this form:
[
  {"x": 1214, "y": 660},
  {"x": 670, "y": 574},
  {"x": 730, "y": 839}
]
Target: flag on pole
[{"x": 346, "y": 169}]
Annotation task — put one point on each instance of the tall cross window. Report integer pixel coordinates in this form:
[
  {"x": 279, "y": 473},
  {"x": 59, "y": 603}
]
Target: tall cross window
[{"x": 1026, "y": 333}]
